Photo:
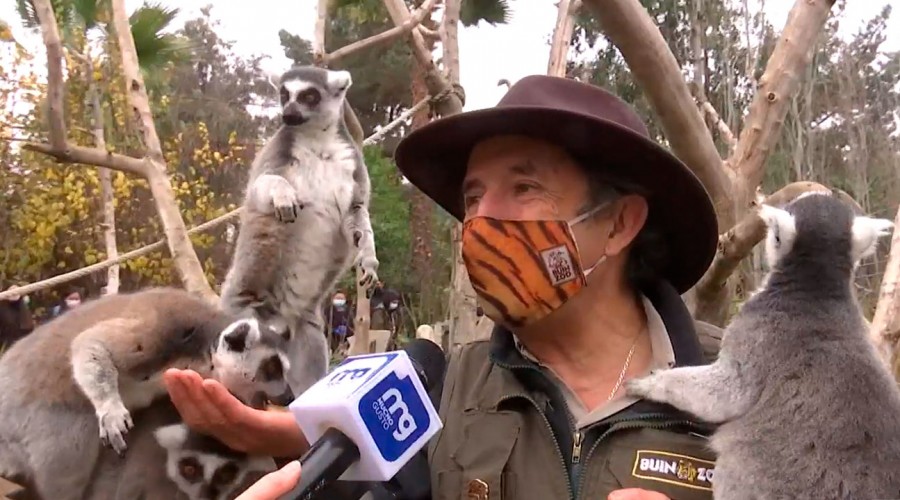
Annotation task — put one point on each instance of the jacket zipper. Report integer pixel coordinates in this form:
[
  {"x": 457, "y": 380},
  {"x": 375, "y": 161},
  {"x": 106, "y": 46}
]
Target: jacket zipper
[
  {"x": 577, "y": 439},
  {"x": 559, "y": 453},
  {"x": 639, "y": 422}
]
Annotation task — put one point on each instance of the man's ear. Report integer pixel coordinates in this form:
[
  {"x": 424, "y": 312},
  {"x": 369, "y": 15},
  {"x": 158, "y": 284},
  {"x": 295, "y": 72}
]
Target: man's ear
[{"x": 629, "y": 218}]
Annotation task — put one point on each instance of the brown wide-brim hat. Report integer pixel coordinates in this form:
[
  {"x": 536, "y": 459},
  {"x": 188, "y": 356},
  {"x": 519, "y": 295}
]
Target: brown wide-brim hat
[{"x": 599, "y": 130}]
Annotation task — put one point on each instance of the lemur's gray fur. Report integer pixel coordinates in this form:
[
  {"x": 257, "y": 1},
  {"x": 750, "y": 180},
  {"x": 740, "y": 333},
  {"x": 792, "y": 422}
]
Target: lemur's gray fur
[
  {"x": 72, "y": 385},
  {"x": 167, "y": 461},
  {"x": 305, "y": 219},
  {"x": 805, "y": 407}
]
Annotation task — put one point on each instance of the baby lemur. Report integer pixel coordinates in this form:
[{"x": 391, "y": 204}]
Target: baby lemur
[
  {"x": 807, "y": 410},
  {"x": 305, "y": 219},
  {"x": 72, "y": 385},
  {"x": 168, "y": 461}
]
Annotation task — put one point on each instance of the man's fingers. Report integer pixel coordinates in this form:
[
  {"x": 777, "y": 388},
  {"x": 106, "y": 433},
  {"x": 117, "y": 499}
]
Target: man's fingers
[
  {"x": 180, "y": 396},
  {"x": 274, "y": 484},
  {"x": 231, "y": 407},
  {"x": 205, "y": 415},
  {"x": 636, "y": 494}
]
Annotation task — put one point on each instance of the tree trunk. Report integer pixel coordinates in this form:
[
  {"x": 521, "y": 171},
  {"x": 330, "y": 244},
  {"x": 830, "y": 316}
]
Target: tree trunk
[
  {"x": 106, "y": 188},
  {"x": 421, "y": 215},
  {"x": 183, "y": 255},
  {"x": 562, "y": 37}
]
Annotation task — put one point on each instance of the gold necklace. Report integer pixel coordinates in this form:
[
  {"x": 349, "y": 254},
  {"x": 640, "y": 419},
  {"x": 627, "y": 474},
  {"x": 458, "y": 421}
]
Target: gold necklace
[{"x": 624, "y": 369}]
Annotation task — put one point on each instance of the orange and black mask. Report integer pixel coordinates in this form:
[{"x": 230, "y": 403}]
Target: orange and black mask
[{"x": 522, "y": 270}]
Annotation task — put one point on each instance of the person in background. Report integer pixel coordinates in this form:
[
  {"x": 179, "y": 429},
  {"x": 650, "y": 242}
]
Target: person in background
[
  {"x": 339, "y": 320},
  {"x": 16, "y": 320},
  {"x": 71, "y": 301}
]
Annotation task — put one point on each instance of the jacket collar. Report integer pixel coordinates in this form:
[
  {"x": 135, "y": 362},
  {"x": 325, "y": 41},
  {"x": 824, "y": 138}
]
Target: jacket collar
[
  {"x": 514, "y": 372},
  {"x": 676, "y": 317}
]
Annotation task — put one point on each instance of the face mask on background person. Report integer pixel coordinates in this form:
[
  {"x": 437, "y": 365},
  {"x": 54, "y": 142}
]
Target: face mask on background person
[
  {"x": 522, "y": 270},
  {"x": 339, "y": 303}
]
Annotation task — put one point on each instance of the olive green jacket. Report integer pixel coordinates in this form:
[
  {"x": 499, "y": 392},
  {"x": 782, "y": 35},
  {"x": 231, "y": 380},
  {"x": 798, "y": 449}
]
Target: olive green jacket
[{"x": 508, "y": 435}]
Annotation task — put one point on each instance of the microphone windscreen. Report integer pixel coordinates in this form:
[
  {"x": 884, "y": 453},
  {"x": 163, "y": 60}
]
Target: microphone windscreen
[{"x": 428, "y": 358}]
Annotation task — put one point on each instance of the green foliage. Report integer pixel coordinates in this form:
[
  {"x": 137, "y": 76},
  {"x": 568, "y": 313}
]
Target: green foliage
[
  {"x": 154, "y": 47},
  {"x": 493, "y": 12}
]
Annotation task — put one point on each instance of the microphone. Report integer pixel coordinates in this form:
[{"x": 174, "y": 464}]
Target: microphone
[{"x": 368, "y": 417}]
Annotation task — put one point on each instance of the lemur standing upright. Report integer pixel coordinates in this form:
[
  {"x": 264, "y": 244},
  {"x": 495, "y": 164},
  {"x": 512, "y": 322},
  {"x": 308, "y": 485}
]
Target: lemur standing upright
[{"x": 305, "y": 220}]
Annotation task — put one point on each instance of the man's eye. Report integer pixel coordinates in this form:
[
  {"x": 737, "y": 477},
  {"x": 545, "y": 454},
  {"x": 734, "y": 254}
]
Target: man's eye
[{"x": 524, "y": 188}]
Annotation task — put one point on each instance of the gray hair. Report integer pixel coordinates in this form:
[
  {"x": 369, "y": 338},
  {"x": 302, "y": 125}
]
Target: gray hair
[{"x": 649, "y": 255}]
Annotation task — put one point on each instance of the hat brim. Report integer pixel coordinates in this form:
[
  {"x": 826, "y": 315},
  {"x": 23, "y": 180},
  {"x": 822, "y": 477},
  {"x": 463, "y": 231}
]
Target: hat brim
[{"x": 434, "y": 158}]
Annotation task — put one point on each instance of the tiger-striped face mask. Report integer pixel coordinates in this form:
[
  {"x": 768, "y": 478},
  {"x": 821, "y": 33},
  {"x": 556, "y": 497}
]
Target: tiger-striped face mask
[{"x": 522, "y": 270}]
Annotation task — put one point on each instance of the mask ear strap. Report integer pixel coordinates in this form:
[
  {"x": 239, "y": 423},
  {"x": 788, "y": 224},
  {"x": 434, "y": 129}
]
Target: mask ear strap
[{"x": 589, "y": 213}]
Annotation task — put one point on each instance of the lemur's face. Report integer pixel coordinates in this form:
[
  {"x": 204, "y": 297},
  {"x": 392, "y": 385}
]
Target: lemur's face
[{"x": 312, "y": 95}]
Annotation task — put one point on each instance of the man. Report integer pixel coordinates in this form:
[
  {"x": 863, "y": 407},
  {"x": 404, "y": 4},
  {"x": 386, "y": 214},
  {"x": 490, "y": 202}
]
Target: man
[
  {"x": 339, "y": 323},
  {"x": 16, "y": 320},
  {"x": 579, "y": 235}
]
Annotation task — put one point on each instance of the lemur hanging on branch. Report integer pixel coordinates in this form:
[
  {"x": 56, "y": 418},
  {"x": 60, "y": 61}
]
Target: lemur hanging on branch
[{"x": 305, "y": 220}]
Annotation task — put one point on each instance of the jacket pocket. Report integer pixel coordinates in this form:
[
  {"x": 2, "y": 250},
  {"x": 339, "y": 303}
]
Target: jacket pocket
[
  {"x": 676, "y": 465},
  {"x": 481, "y": 457}
]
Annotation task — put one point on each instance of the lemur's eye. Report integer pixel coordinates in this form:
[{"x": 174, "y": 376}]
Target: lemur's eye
[
  {"x": 190, "y": 469},
  {"x": 310, "y": 97}
]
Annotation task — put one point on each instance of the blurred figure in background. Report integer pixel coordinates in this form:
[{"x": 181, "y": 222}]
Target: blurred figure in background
[
  {"x": 16, "y": 320},
  {"x": 339, "y": 322}
]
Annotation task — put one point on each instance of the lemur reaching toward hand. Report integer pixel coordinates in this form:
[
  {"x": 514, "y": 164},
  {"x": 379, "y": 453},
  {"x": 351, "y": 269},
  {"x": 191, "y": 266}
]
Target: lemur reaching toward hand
[
  {"x": 305, "y": 220},
  {"x": 798, "y": 387}
]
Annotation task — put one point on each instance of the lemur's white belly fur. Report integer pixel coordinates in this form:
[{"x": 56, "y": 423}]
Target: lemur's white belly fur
[{"x": 319, "y": 251}]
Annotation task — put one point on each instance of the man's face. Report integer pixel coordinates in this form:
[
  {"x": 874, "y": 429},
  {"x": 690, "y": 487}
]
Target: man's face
[{"x": 512, "y": 177}]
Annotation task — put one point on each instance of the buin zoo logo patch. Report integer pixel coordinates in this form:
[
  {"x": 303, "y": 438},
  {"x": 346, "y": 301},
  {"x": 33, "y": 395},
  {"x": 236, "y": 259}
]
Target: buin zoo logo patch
[
  {"x": 672, "y": 468},
  {"x": 558, "y": 264}
]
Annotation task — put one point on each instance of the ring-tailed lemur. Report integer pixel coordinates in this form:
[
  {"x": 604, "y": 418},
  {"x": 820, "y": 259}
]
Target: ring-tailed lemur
[
  {"x": 305, "y": 219},
  {"x": 89, "y": 369},
  {"x": 168, "y": 461},
  {"x": 806, "y": 409}
]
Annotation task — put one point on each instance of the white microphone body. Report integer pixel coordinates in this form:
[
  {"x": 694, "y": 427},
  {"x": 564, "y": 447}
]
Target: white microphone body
[{"x": 379, "y": 403}]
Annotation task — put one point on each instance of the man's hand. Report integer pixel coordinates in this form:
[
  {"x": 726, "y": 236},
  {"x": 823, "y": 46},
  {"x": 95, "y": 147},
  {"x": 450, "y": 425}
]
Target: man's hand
[
  {"x": 207, "y": 407},
  {"x": 274, "y": 484},
  {"x": 636, "y": 494}
]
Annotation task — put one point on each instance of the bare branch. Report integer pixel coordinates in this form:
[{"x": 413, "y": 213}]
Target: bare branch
[
  {"x": 562, "y": 37},
  {"x": 381, "y": 38},
  {"x": 56, "y": 109},
  {"x": 450, "y": 39},
  {"x": 183, "y": 254},
  {"x": 318, "y": 45},
  {"x": 436, "y": 82},
  {"x": 778, "y": 84},
  {"x": 886, "y": 322},
  {"x": 737, "y": 243},
  {"x": 634, "y": 33},
  {"x": 428, "y": 32},
  {"x": 721, "y": 126},
  {"x": 92, "y": 156}
]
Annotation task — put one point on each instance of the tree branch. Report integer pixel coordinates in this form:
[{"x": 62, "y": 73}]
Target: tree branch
[
  {"x": 382, "y": 38},
  {"x": 562, "y": 36},
  {"x": 777, "y": 86},
  {"x": 449, "y": 34},
  {"x": 886, "y": 322},
  {"x": 429, "y": 33},
  {"x": 93, "y": 156},
  {"x": 634, "y": 33},
  {"x": 55, "y": 84},
  {"x": 184, "y": 257},
  {"x": 737, "y": 243},
  {"x": 318, "y": 43},
  {"x": 436, "y": 82}
]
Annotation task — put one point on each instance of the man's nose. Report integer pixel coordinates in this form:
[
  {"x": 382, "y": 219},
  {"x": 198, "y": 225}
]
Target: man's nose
[{"x": 495, "y": 204}]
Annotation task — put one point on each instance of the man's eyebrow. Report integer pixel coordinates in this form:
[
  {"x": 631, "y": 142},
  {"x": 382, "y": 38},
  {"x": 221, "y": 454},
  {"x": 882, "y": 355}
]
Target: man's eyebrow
[
  {"x": 526, "y": 167},
  {"x": 471, "y": 184}
]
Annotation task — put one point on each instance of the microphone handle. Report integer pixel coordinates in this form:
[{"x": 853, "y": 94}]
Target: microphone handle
[{"x": 323, "y": 464}]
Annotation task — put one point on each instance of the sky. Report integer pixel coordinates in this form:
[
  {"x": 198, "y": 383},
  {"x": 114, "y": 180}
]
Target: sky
[{"x": 487, "y": 53}]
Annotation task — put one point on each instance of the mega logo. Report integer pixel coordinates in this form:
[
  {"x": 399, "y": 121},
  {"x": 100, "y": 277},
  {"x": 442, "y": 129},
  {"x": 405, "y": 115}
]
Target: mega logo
[{"x": 394, "y": 414}]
